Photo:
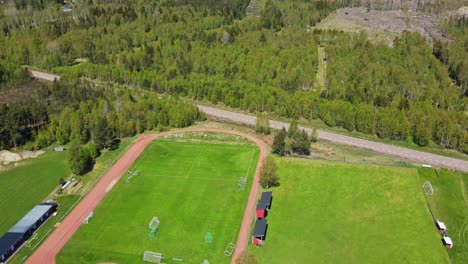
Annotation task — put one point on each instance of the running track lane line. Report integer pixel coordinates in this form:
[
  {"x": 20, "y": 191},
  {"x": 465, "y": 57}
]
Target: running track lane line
[{"x": 46, "y": 253}]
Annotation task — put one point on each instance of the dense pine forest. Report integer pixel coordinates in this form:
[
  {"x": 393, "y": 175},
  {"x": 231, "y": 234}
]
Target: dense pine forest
[{"x": 261, "y": 59}]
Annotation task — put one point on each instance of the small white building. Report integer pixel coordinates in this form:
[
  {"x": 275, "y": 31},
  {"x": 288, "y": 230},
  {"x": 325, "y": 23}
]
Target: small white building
[
  {"x": 441, "y": 226},
  {"x": 447, "y": 242}
]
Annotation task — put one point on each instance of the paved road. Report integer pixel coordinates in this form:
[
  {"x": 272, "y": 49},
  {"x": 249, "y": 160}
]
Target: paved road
[
  {"x": 48, "y": 250},
  {"x": 44, "y": 76},
  {"x": 414, "y": 155}
]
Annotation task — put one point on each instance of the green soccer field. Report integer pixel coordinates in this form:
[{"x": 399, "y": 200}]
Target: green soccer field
[
  {"x": 449, "y": 203},
  {"x": 192, "y": 189},
  {"x": 327, "y": 212}
]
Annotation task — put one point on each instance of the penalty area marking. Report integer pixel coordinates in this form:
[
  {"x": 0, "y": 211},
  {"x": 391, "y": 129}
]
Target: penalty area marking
[{"x": 111, "y": 185}]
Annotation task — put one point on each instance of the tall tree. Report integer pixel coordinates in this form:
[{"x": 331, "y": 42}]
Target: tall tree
[{"x": 279, "y": 144}]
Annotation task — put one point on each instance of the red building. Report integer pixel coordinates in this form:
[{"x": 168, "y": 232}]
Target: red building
[{"x": 261, "y": 211}]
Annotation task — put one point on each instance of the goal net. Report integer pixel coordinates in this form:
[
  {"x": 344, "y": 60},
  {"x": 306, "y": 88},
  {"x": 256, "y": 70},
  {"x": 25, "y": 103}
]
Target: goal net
[
  {"x": 427, "y": 187},
  {"x": 86, "y": 221},
  {"x": 153, "y": 257},
  {"x": 154, "y": 223}
]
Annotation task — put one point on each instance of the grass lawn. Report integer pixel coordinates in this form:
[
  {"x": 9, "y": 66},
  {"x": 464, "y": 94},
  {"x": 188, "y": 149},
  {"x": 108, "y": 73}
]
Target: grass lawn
[
  {"x": 449, "y": 203},
  {"x": 327, "y": 212},
  {"x": 191, "y": 187},
  {"x": 23, "y": 187},
  {"x": 69, "y": 199}
]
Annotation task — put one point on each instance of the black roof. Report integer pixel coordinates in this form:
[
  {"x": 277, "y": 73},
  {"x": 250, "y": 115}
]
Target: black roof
[
  {"x": 260, "y": 228},
  {"x": 23, "y": 225},
  {"x": 266, "y": 198},
  {"x": 261, "y": 205},
  {"x": 8, "y": 240}
]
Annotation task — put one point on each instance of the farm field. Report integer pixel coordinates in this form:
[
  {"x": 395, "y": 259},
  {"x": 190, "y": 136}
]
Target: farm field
[
  {"x": 25, "y": 186},
  {"x": 449, "y": 203},
  {"x": 331, "y": 212},
  {"x": 192, "y": 189}
]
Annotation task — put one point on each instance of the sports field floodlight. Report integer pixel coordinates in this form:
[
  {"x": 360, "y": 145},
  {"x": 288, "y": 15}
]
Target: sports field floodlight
[
  {"x": 427, "y": 187},
  {"x": 153, "y": 257},
  {"x": 153, "y": 225}
]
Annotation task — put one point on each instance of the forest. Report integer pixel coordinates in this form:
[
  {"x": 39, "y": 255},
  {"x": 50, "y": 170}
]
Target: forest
[{"x": 213, "y": 51}]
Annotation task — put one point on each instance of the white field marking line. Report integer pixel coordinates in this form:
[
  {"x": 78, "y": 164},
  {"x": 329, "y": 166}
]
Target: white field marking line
[
  {"x": 250, "y": 165},
  {"x": 23, "y": 259},
  {"x": 193, "y": 164},
  {"x": 195, "y": 178}
]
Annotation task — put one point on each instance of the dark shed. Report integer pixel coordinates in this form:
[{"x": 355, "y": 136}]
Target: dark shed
[
  {"x": 22, "y": 231},
  {"x": 266, "y": 199},
  {"x": 259, "y": 232}
]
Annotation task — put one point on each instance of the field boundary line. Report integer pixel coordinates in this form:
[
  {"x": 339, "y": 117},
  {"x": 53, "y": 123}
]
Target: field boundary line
[{"x": 250, "y": 165}]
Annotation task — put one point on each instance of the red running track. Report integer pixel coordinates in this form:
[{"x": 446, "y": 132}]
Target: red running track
[{"x": 46, "y": 253}]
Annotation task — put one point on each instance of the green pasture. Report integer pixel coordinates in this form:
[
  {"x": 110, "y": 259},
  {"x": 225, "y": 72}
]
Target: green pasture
[
  {"x": 332, "y": 212},
  {"x": 25, "y": 186}
]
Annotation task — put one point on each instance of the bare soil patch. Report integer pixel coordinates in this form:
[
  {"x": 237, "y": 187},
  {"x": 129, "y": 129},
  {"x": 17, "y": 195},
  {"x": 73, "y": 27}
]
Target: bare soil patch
[
  {"x": 7, "y": 157},
  {"x": 384, "y": 25},
  {"x": 17, "y": 93}
]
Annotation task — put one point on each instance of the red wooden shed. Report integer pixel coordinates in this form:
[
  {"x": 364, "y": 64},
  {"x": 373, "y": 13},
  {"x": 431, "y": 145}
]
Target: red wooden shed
[{"x": 261, "y": 211}]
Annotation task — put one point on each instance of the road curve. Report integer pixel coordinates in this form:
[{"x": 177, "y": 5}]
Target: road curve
[
  {"x": 414, "y": 155},
  {"x": 47, "y": 252}
]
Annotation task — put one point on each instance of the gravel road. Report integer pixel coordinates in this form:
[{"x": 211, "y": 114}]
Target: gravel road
[{"x": 414, "y": 155}]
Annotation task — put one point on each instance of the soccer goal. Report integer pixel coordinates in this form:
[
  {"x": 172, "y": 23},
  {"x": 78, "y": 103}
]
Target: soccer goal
[
  {"x": 153, "y": 257},
  {"x": 153, "y": 225},
  {"x": 86, "y": 221},
  {"x": 28, "y": 243},
  {"x": 427, "y": 187},
  {"x": 241, "y": 183},
  {"x": 131, "y": 174},
  {"x": 229, "y": 249}
]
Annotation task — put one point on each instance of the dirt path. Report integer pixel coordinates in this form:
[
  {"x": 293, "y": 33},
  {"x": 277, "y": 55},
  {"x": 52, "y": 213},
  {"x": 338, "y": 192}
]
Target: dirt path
[
  {"x": 414, "y": 155},
  {"x": 47, "y": 252}
]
